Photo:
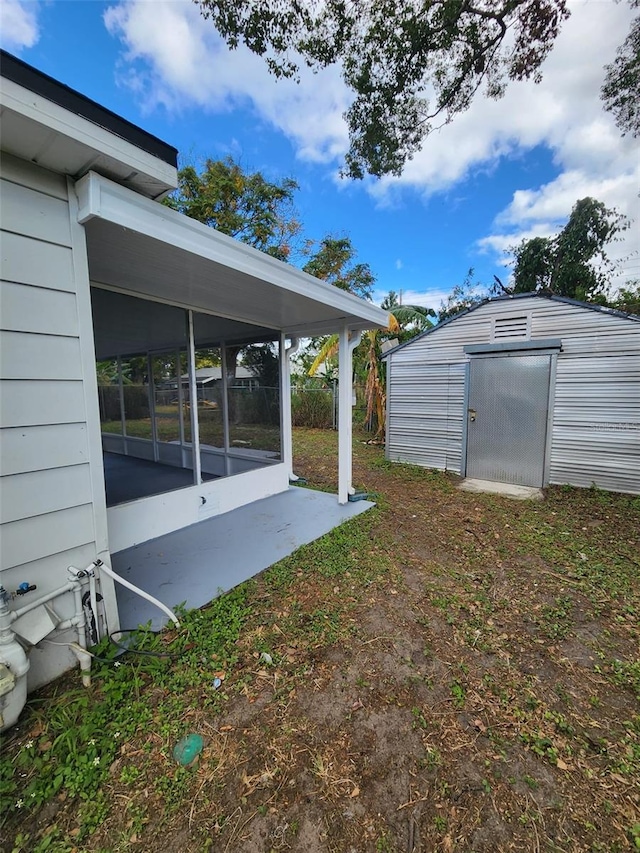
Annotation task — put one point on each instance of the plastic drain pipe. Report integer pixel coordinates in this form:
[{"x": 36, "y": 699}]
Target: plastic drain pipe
[
  {"x": 98, "y": 564},
  {"x": 13, "y": 656},
  {"x": 79, "y": 622}
]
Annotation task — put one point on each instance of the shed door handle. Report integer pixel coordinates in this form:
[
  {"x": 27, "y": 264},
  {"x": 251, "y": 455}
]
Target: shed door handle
[{"x": 472, "y": 415}]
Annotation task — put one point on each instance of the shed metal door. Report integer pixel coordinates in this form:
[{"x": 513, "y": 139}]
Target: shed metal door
[{"x": 507, "y": 418}]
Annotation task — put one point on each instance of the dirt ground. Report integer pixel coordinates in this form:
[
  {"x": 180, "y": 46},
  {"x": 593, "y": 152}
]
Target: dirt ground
[{"x": 447, "y": 672}]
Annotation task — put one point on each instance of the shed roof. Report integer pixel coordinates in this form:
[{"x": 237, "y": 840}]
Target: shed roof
[{"x": 508, "y": 298}]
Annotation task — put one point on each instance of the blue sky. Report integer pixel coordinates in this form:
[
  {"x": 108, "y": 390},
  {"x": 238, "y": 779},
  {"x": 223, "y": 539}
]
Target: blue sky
[{"x": 504, "y": 170}]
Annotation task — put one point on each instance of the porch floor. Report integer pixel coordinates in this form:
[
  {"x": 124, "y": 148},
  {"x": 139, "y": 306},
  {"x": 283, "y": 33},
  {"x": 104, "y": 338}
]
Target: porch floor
[
  {"x": 195, "y": 564},
  {"x": 128, "y": 478}
]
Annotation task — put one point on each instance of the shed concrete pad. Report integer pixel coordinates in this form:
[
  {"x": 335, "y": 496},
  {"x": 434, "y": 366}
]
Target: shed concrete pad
[
  {"x": 197, "y": 563},
  {"x": 508, "y": 490}
]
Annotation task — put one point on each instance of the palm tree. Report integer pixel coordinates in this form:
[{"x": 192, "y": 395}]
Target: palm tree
[{"x": 405, "y": 321}]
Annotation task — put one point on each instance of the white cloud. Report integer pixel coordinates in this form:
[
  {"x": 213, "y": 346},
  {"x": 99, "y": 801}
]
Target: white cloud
[
  {"x": 426, "y": 299},
  {"x": 563, "y": 113},
  {"x": 399, "y": 264},
  {"x": 18, "y": 24},
  {"x": 175, "y": 58}
]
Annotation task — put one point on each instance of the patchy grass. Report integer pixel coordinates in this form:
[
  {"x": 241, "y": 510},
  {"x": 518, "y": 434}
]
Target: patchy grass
[{"x": 446, "y": 672}]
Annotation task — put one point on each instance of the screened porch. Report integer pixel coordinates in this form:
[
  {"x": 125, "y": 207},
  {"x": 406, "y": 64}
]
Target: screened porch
[{"x": 172, "y": 414}]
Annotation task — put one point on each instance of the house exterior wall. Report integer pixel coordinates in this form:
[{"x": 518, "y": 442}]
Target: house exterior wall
[
  {"x": 52, "y": 512},
  {"x": 595, "y": 434}
]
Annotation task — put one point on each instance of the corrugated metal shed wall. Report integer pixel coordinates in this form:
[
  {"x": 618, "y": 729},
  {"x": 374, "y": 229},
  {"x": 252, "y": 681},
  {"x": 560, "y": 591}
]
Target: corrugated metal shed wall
[
  {"x": 596, "y": 424},
  {"x": 426, "y": 423}
]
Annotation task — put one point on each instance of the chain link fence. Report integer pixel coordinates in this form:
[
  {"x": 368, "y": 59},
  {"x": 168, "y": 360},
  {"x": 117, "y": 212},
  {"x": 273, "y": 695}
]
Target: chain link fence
[{"x": 318, "y": 407}]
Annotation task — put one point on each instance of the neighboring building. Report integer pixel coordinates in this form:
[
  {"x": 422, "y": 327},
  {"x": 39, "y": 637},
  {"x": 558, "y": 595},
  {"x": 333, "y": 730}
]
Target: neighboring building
[
  {"x": 531, "y": 389},
  {"x": 206, "y": 377},
  {"x": 95, "y": 269}
]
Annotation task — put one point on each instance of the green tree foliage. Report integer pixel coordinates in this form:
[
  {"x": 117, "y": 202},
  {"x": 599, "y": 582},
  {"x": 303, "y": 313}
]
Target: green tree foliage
[
  {"x": 411, "y": 320},
  {"x": 263, "y": 361},
  {"x": 462, "y": 297},
  {"x": 334, "y": 262},
  {"x": 405, "y": 321},
  {"x": 627, "y": 298},
  {"x": 621, "y": 89},
  {"x": 241, "y": 204},
  {"x": 391, "y": 53},
  {"x": 574, "y": 263}
]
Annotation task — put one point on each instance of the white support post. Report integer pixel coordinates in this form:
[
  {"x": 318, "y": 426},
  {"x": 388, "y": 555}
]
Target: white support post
[
  {"x": 183, "y": 450},
  {"x": 193, "y": 396},
  {"x": 285, "y": 402},
  {"x": 151, "y": 390},
  {"x": 226, "y": 443},
  {"x": 123, "y": 423},
  {"x": 347, "y": 344}
]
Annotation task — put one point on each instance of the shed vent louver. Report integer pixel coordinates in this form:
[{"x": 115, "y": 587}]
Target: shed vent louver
[{"x": 508, "y": 328}]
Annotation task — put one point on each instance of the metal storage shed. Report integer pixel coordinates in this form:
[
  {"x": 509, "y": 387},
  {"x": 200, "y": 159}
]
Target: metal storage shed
[
  {"x": 96, "y": 269},
  {"x": 532, "y": 389}
]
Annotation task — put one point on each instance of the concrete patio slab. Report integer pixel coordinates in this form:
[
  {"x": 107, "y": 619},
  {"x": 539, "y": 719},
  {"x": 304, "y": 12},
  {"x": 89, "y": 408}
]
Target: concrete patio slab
[
  {"x": 199, "y": 562},
  {"x": 508, "y": 490}
]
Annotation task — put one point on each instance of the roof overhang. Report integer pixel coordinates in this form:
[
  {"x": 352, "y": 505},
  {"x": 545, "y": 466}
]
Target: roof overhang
[
  {"x": 143, "y": 248},
  {"x": 51, "y": 125}
]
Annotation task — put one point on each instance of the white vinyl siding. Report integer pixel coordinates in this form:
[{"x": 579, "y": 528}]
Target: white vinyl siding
[
  {"x": 37, "y": 448},
  {"x": 28, "y": 356},
  {"x": 40, "y": 402},
  {"x": 46, "y": 505},
  {"x": 49, "y": 536},
  {"x": 27, "y": 308},
  {"x": 30, "y": 213},
  {"x": 596, "y": 415},
  {"x": 32, "y": 261}
]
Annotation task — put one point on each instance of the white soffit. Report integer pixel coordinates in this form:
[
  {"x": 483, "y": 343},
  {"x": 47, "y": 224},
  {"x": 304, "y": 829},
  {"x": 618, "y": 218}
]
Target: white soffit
[
  {"x": 143, "y": 248},
  {"x": 36, "y": 129}
]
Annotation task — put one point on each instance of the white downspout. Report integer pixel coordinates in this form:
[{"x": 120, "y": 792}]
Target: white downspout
[
  {"x": 285, "y": 404},
  {"x": 347, "y": 344}
]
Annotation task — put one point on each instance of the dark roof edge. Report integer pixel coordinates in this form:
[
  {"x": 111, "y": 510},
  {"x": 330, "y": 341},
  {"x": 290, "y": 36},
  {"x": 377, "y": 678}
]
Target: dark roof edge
[
  {"x": 509, "y": 297},
  {"x": 35, "y": 81}
]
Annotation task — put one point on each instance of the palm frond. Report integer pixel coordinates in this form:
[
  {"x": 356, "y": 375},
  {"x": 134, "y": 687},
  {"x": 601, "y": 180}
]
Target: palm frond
[{"x": 327, "y": 351}]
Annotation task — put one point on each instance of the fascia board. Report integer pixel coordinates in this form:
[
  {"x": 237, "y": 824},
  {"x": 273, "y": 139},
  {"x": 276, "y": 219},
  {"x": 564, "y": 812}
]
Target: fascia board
[
  {"x": 99, "y": 197},
  {"x": 55, "y": 118}
]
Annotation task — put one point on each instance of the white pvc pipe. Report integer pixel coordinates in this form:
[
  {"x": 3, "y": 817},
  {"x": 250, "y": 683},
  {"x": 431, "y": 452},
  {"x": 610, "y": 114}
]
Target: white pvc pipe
[
  {"x": 83, "y": 656},
  {"x": 78, "y": 621},
  {"x": 104, "y": 568},
  {"x": 82, "y": 625},
  {"x": 16, "y": 614}
]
